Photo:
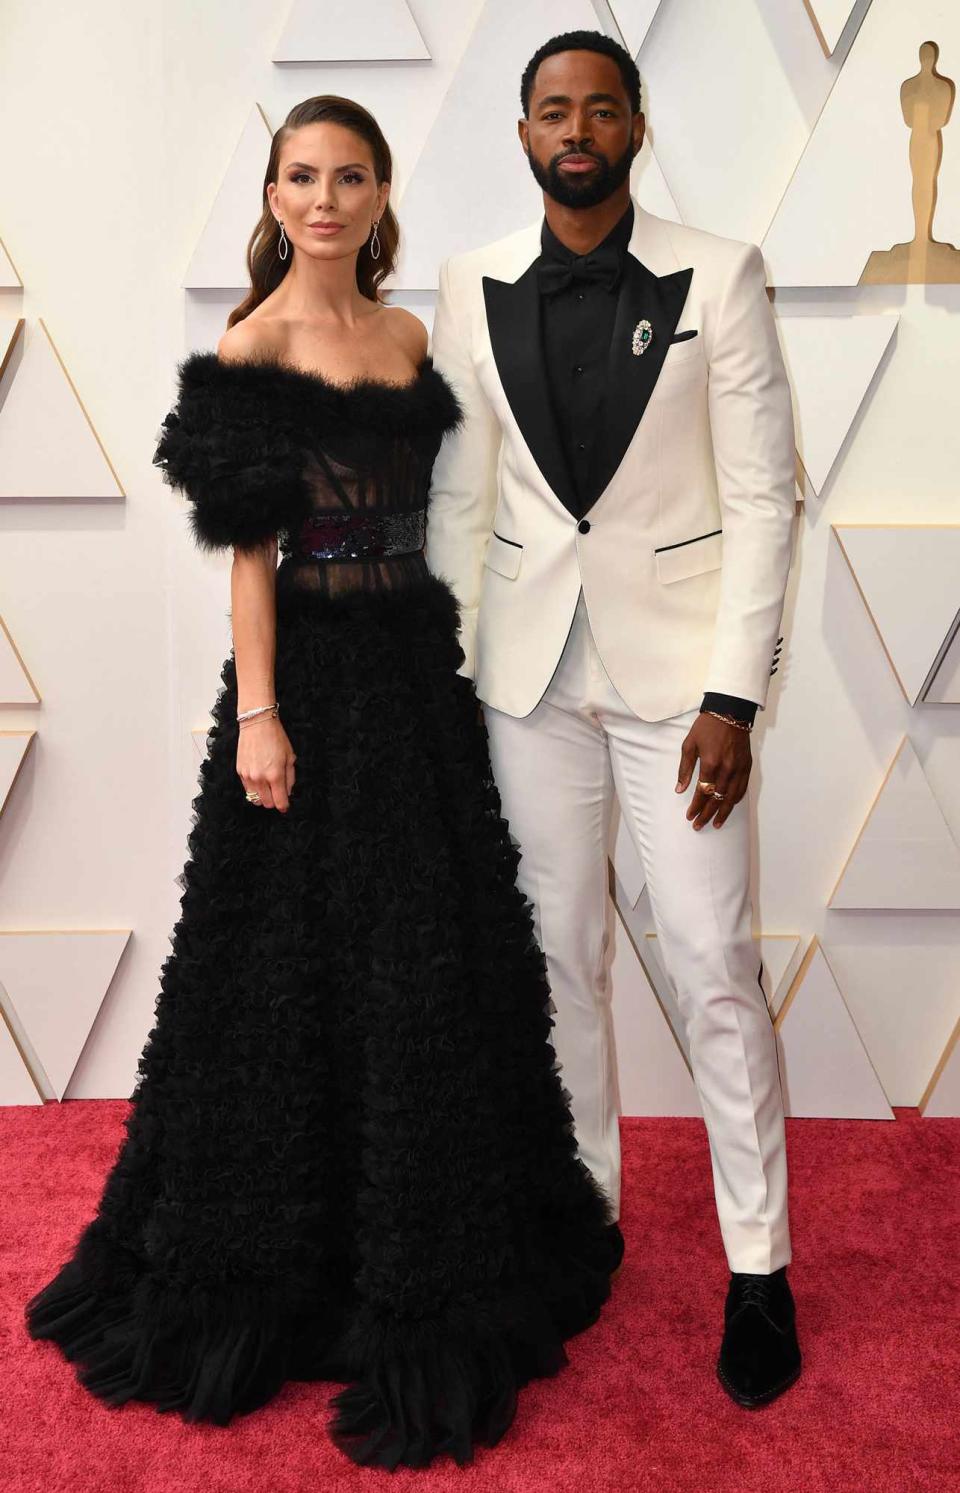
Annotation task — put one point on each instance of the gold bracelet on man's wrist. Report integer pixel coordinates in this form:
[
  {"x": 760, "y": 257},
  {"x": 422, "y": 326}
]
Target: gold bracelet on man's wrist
[{"x": 731, "y": 720}]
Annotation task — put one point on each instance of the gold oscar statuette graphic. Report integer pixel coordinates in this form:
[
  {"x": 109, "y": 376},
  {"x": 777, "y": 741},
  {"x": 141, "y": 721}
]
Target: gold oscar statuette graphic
[{"x": 927, "y": 101}]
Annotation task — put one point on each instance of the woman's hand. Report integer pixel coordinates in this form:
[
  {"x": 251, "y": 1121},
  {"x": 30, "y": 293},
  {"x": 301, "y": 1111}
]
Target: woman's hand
[{"x": 265, "y": 761}]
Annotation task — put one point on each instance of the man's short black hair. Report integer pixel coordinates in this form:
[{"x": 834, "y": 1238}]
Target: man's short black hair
[{"x": 583, "y": 41}]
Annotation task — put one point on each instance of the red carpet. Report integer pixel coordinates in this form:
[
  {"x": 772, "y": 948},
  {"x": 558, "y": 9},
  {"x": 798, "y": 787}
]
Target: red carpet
[{"x": 876, "y": 1220}]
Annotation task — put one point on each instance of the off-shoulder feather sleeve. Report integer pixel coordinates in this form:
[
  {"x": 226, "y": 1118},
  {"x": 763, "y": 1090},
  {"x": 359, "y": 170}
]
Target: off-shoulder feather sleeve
[{"x": 232, "y": 450}]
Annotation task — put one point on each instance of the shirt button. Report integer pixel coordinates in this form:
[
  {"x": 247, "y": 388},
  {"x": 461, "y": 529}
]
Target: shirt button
[
  {"x": 578, "y": 368},
  {"x": 581, "y": 445},
  {"x": 579, "y": 295},
  {"x": 584, "y": 526}
]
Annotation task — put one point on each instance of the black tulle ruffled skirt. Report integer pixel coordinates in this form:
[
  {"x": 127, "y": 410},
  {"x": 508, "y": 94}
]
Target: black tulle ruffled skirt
[{"x": 349, "y": 1154}]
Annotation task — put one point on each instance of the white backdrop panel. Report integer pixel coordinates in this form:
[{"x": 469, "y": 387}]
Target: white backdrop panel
[
  {"x": 851, "y": 191},
  {"x": 730, "y": 94},
  {"x": 831, "y": 361},
  {"x": 908, "y": 577},
  {"x": 350, "y": 30}
]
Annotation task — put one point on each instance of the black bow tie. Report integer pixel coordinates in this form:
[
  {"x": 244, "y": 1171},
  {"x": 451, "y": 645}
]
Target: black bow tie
[{"x": 602, "y": 266}]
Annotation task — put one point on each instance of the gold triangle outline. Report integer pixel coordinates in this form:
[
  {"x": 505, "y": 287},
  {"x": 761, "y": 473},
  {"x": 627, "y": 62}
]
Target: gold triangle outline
[
  {"x": 86, "y": 414},
  {"x": 320, "y": 62},
  {"x": 15, "y": 336},
  {"x": 17, "y": 1044},
  {"x": 795, "y": 938},
  {"x": 47, "y": 933},
  {"x": 816, "y": 123},
  {"x": 38, "y": 699},
  {"x": 790, "y": 996},
  {"x": 938, "y": 657},
  {"x": 206, "y": 222},
  {"x": 30, "y": 735},
  {"x": 816, "y": 26},
  {"x": 904, "y": 740},
  {"x": 12, "y": 266},
  {"x": 937, "y": 1073}
]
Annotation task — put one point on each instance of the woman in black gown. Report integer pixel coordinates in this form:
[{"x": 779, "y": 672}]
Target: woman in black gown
[{"x": 349, "y": 1155}]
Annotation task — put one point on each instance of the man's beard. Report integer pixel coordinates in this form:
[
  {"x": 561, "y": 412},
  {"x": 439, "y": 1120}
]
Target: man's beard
[{"x": 571, "y": 191}]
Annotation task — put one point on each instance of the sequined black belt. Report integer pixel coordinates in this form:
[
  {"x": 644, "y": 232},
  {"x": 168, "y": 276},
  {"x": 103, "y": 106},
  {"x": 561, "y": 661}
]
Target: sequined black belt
[{"x": 361, "y": 536}]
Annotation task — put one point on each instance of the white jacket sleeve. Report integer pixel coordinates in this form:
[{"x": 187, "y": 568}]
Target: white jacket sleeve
[
  {"x": 751, "y": 423},
  {"x": 463, "y": 493}
]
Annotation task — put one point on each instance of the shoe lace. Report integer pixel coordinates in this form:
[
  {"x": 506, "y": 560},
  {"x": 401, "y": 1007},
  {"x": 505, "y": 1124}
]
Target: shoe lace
[{"x": 753, "y": 1290}]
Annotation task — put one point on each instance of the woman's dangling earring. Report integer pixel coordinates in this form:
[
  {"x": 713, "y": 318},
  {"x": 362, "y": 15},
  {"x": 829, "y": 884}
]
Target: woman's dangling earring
[
  {"x": 283, "y": 247},
  {"x": 375, "y": 240}
]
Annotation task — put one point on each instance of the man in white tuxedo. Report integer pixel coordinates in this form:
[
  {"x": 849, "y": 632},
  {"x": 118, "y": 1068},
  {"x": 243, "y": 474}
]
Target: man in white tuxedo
[{"x": 616, "y": 520}]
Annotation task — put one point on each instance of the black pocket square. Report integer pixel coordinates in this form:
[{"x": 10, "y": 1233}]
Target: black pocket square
[{"x": 683, "y": 336}]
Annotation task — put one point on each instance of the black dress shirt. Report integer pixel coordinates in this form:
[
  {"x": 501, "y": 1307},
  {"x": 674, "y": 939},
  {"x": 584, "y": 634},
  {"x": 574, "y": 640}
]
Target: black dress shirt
[{"x": 577, "y": 328}]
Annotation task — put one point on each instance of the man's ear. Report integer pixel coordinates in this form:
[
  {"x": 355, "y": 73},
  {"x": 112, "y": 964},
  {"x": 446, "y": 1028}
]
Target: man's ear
[{"x": 523, "y": 130}]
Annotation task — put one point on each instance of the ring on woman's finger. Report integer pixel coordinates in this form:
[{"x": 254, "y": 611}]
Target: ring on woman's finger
[
  {"x": 253, "y": 798},
  {"x": 715, "y": 794}
]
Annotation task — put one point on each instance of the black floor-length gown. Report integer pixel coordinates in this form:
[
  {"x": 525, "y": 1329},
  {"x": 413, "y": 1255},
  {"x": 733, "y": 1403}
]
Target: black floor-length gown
[{"x": 349, "y": 1154}]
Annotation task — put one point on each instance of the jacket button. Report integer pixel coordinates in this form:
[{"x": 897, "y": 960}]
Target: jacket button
[{"x": 584, "y": 526}]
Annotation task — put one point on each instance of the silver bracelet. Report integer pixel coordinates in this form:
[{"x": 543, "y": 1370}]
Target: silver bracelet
[{"x": 246, "y": 715}]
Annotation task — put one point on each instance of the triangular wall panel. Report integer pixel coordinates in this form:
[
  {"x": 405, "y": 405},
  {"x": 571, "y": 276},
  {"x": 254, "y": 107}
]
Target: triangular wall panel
[
  {"x": 48, "y": 445},
  {"x": 944, "y": 687},
  {"x": 16, "y": 1084},
  {"x": 829, "y": 17},
  {"x": 438, "y": 206},
  {"x": 907, "y": 575},
  {"x": 905, "y": 856},
  {"x": 219, "y": 260},
  {"x": 14, "y": 746},
  {"x": 633, "y": 18},
  {"x": 851, "y": 191},
  {"x": 200, "y": 735},
  {"x": 9, "y": 279},
  {"x": 824, "y": 1067},
  {"x": 16, "y": 686},
  {"x": 942, "y": 1097},
  {"x": 831, "y": 361},
  {"x": 55, "y": 983},
  {"x": 350, "y": 31}
]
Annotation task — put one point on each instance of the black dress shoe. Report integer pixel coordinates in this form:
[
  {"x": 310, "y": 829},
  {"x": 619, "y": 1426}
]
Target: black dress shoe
[{"x": 760, "y": 1355}]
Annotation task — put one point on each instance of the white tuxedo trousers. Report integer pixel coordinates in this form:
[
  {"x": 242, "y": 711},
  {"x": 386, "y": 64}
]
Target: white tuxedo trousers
[{"x": 557, "y": 770}]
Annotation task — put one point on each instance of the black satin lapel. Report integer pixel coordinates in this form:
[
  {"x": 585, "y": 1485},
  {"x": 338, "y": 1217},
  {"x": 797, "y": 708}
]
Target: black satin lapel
[
  {"x": 513, "y": 320},
  {"x": 632, "y": 379}
]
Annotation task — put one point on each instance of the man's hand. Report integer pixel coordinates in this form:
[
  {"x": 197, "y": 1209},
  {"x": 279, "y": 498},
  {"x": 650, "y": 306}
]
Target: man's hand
[{"x": 725, "y": 763}]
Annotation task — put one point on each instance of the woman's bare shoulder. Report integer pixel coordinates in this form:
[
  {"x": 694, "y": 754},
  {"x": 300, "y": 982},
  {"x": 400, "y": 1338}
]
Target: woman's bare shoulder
[
  {"x": 409, "y": 331},
  {"x": 254, "y": 337}
]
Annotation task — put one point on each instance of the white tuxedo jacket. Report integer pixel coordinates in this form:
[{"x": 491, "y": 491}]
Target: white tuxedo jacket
[{"x": 683, "y": 558}]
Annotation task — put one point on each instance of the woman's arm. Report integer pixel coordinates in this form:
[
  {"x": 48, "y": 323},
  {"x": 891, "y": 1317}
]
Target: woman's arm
[{"x": 265, "y": 758}]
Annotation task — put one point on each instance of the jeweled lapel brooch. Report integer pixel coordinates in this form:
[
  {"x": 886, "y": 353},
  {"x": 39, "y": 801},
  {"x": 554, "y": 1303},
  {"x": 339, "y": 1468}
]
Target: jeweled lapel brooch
[{"x": 642, "y": 337}]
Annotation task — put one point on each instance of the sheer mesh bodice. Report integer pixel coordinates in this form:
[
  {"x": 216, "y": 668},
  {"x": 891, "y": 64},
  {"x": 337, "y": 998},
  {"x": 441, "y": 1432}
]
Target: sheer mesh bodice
[
  {"x": 338, "y": 472},
  {"x": 357, "y": 481},
  {"x": 367, "y": 484}
]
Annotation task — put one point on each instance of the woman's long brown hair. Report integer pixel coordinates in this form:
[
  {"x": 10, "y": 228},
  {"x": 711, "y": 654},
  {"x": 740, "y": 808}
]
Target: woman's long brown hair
[{"x": 264, "y": 265}]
